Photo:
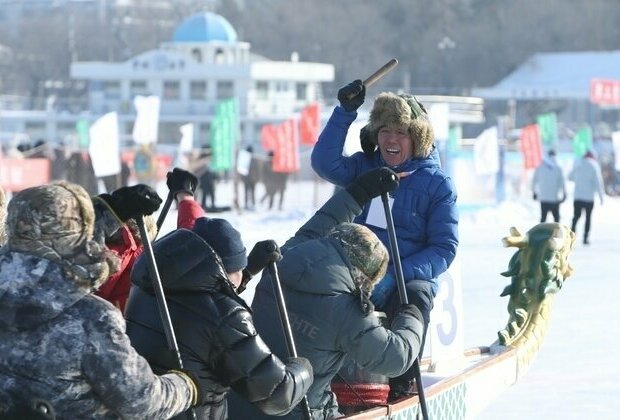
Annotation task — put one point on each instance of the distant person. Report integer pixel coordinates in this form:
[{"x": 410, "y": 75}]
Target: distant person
[
  {"x": 275, "y": 184},
  {"x": 586, "y": 174},
  {"x": 548, "y": 187},
  {"x": 58, "y": 342},
  {"x": 250, "y": 180}
]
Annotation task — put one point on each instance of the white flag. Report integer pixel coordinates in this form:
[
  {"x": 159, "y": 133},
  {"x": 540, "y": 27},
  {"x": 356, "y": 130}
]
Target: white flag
[
  {"x": 615, "y": 138},
  {"x": 104, "y": 147},
  {"x": 439, "y": 115},
  {"x": 486, "y": 152},
  {"x": 145, "y": 127},
  {"x": 244, "y": 159},
  {"x": 187, "y": 138}
]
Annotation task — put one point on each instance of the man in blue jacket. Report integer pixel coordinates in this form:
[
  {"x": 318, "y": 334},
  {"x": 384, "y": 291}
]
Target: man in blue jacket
[{"x": 399, "y": 135}]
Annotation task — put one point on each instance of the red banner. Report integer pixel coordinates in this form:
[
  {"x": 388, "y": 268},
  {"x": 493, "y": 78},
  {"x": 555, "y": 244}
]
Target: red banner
[
  {"x": 309, "y": 124},
  {"x": 286, "y": 148},
  {"x": 605, "y": 92},
  {"x": 531, "y": 147},
  {"x": 268, "y": 135},
  {"x": 18, "y": 174}
]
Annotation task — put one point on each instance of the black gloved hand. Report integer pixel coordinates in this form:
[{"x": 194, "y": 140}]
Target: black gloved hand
[
  {"x": 372, "y": 184},
  {"x": 133, "y": 202},
  {"x": 535, "y": 196},
  {"x": 414, "y": 311},
  {"x": 263, "y": 253},
  {"x": 352, "y": 95},
  {"x": 180, "y": 180},
  {"x": 298, "y": 364},
  {"x": 367, "y": 145}
]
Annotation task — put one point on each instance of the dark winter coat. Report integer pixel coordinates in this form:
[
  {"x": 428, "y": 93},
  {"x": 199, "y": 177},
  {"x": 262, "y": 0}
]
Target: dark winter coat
[
  {"x": 214, "y": 330},
  {"x": 424, "y": 210},
  {"x": 60, "y": 343},
  {"x": 329, "y": 315}
]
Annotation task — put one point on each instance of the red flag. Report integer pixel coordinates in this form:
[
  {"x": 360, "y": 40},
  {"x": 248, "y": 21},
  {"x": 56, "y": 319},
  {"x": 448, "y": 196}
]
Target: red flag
[
  {"x": 268, "y": 135},
  {"x": 531, "y": 146},
  {"x": 286, "y": 148},
  {"x": 309, "y": 124}
]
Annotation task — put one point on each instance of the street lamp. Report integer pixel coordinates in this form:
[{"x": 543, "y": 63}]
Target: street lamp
[{"x": 445, "y": 45}]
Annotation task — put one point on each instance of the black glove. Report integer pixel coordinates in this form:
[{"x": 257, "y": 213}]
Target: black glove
[
  {"x": 367, "y": 145},
  {"x": 352, "y": 95},
  {"x": 133, "y": 202},
  {"x": 411, "y": 309},
  {"x": 180, "y": 180},
  {"x": 263, "y": 253},
  {"x": 372, "y": 184},
  {"x": 535, "y": 196},
  {"x": 299, "y": 364}
]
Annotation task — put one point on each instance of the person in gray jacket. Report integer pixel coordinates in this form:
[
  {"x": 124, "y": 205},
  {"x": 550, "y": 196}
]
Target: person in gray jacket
[
  {"x": 549, "y": 187},
  {"x": 58, "y": 341},
  {"x": 586, "y": 174},
  {"x": 328, "y": 271}
]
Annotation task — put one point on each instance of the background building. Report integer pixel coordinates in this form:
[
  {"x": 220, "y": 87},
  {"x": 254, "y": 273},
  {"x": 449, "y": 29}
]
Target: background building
[{"x": 204, "y": 63}]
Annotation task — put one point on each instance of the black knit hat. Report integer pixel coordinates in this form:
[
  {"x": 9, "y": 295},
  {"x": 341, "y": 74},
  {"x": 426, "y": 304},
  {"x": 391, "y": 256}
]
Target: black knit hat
[{"x": 225, "y": 241}]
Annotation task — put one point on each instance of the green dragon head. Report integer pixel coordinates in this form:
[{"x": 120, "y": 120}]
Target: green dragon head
[{"x": 538, "y": 269}]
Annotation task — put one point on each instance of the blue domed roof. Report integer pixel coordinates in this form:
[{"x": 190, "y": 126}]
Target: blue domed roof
[{"x": 205, "y": 27}]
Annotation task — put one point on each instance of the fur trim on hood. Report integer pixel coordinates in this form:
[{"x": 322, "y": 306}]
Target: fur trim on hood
[{"x": 392, "y": 110}]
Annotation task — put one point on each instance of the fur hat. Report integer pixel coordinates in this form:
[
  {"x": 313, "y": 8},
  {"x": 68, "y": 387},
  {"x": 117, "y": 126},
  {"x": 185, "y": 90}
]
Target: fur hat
[
  {"x": 367, "y": 254},
  {"x": 225, "y": 241},
  {"x": 402, "y": 111},
  {"x": 56, "y": 222}
]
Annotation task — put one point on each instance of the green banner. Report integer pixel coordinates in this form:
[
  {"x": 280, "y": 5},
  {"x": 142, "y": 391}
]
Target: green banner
[
  {"x": 582, "y": 141},
  {"x": 454, "y": 135},
  {"x": 548, "y": 127},
  {"x": 223, "y": 134},
  {"x": 82, "y": 128}
]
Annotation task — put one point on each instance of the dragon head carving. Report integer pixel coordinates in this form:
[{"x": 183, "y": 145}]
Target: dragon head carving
[{"x": 537, "y": 270}]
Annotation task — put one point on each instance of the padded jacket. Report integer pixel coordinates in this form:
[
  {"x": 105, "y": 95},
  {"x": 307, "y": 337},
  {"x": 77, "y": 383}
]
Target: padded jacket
[{"x": 214, "y": 330}]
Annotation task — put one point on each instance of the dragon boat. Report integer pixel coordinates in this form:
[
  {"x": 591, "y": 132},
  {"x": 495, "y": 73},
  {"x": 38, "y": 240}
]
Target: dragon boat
[{"x": 537, "y": 271}]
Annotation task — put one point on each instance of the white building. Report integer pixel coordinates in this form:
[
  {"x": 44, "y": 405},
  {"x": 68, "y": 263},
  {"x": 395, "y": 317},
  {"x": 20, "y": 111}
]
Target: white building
[{"x": 203, "y": 64}]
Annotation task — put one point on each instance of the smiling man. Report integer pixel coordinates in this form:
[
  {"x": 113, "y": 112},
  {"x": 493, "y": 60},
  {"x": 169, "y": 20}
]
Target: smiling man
[{"x": 398, "y": 135}]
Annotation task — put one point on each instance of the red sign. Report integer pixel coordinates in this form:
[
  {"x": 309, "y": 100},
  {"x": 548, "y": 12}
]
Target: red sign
[
  {"x": 286, "y": 148},
  {"x": 531, "y": 146},
  {"x": 309, "y": 124},
  {"x": 18, "y": 174},
  {"x": 605, "y": 92}
]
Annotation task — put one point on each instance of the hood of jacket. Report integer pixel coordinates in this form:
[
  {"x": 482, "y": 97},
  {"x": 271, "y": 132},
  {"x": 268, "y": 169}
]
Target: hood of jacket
[
  {"x": 33, "y": 291},
  {"x": 185, "y": 262},
  {"x": 320, "y": 267}
]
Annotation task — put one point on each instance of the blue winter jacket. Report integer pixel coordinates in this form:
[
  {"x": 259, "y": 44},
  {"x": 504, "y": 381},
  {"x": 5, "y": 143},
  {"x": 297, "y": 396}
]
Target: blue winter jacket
[{"x": 424, "y": 210}]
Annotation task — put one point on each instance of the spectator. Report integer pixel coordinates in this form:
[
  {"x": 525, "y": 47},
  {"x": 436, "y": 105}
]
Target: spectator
[
  {"x": 586, "y": 174},
  {"x": 549, "y": 187}
]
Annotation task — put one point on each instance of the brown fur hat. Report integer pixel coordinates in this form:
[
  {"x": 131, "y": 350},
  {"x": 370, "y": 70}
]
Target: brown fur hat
[
  {"x": 367, "y": 254},
  {"x": 394, "y": 110}
]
